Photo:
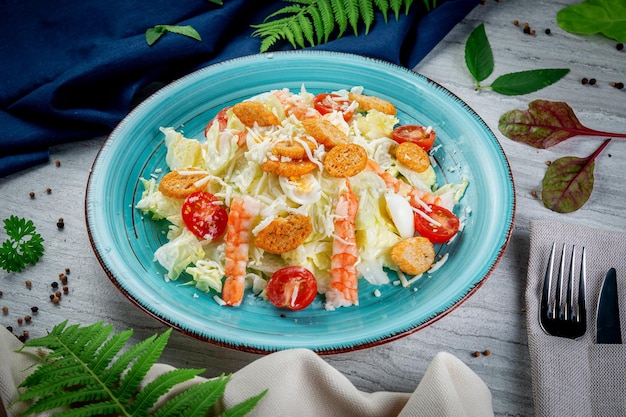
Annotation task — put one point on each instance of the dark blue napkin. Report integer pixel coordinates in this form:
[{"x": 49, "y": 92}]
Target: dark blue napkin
[{"x": 71, "y": 70}]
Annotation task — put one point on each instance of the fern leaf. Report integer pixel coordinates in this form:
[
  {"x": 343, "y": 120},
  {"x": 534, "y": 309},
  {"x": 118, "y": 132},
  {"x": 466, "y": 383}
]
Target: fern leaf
[
  {"x": 84, "y": 375},
  {"x": 352, "y": 11},
  {"x": 289, "y": 10},
  {"x": 294, "y": 33},
  {"x": 383, "y": 6},
  {"x": 367, "y": 13},
  {"x": 396, "y": 6},
  {"x": 341, "y": 17},
  {"x": 159, "y": 386},
  {"x": 317, "y": 26},
  {"x": 108, "y": 351},
  {"x": 308, "y": 25},
  {"x": 244, "y": 407},
  {"x": 140, "y": 368},
  {"x": 408, "y": 3},
  {"x": 328, "y": 19},
  {"x": 212, "y": 390}
]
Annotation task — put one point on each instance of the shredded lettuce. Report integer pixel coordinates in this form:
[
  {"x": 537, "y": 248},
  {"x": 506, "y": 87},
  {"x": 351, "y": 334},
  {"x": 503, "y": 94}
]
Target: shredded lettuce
[{"x": 178, "y": 253}]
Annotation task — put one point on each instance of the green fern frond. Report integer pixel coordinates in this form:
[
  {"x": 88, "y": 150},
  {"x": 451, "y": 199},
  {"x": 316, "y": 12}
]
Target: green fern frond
[
  {"x": 313, "y": 22},
  {"x": 85, "y": 373}
]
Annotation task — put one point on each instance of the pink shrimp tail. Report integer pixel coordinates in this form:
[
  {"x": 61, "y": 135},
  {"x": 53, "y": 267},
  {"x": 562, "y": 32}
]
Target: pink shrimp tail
[
  {"x": 343, "y": 274},
  {"x": 417, "y": 198}
]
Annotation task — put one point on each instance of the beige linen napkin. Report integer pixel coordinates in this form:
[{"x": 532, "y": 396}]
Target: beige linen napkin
[
  {"x": 576, "y": 377},
  {"x": 300, "y": 383}
]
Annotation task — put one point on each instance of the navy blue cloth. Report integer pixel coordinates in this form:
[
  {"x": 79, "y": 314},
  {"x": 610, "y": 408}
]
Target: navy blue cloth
[{"x": 71, "y": 70}]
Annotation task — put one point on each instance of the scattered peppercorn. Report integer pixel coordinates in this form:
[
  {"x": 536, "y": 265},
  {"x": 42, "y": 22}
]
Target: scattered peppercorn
[
  {"x": 5, "y": 310},
  {"x": 55, "y": 284},
  {"x": 548, "y": 31},
  {"x": 60, "y": 223},
  {"x": 592, "y": 81},
  {"x": 55, "y": 300},
  {"x": 34, "y": 309},
  {"x": 516, "y": 22},
  {"x": 584, "y": 81},
  {"x": 51, "y": 297},
  {"x": 1, "y": 293},
  {"x": 487, "y": 352},
  {"x": 10, "y": 328},
  {"x": 548, "y": 163},
  {"x": 28, "y": 284},
  {"x": 57, "y": 163},
  {"x": 67, "y": 271},
  {"x": 66, "y": 289},
  {"x": 619, "y": 86},
  {"x": 22, "y": 338},
  {"x": 527, "y": 30},
  {"x": 533, "y": 193},
  {"x": 27, "y": 318},
  {"x": 63, "y": 278},
  {"x": 619, "y": 46},
  {"x": 58, "y": 294},
  {"x": 20, "y": 321},
  {"x": 32, "y": 195},
  {"x": 476, "y": 354},
  {"x": 532, "y": 32},
  {"x": 48, "y": 190},
  {"x": 25, "y": 333}
]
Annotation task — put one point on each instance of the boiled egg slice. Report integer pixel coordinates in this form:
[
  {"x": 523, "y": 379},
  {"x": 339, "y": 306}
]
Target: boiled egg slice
[
  {"x": 302, "y": 190},
  {"x": 401, "y": 214}
]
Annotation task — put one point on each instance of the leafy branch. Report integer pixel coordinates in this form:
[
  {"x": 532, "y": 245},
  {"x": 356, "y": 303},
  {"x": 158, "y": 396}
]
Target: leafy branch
[
  {"x": 480, "y": 63},
  {"x": 86, "y": 372},
  {"x": 595, "y": 16}
]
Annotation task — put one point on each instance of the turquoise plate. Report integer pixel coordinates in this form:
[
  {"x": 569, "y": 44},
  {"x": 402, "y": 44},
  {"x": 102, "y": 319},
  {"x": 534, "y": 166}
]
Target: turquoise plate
[{"x": 124, "y": 241}]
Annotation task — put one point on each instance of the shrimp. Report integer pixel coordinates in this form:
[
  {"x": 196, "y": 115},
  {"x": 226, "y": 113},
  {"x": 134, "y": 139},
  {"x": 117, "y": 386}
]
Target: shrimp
[
  {"x": 417, "y": 198},
  {"x": 293, "y": 105},
  {"x": 343, "y": 274},
  {"x": 243, "y": 211}
]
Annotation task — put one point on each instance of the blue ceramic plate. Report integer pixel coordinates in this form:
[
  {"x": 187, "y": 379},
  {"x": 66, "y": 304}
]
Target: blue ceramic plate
[{"x": 125, "y": 241}]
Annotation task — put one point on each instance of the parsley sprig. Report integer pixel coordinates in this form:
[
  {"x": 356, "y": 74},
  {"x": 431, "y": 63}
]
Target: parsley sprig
[{"x": 24, "y": 245}]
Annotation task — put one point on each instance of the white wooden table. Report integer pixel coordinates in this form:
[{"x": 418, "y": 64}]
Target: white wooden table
[{"x": 493, "y": 318}]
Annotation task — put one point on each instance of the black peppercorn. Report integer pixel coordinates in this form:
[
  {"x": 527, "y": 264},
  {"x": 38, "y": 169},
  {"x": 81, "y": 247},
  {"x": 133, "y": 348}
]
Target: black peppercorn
[
  {"x": 592, "y": 81},
  {"x": 619, "y": 46}
]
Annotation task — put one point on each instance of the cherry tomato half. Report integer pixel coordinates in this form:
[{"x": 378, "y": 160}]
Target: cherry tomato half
[
  {"x": 292, "y": 288},
  {"x": 449, "y": 224},
  {"x": 204, "y": 215},
  {"x": 221, "y": 118},
  {"x": 419, "y": 135},
  {"x": 327, "y": 103}
]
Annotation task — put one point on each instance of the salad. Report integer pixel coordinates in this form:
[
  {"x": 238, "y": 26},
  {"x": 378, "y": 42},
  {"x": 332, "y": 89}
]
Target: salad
[{"x": 294, "y": 194}]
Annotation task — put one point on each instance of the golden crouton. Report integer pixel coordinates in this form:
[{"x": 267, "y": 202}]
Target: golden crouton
[
  {"x": 251, "y": 112},
  {"x": 293, "y": 150},
  {"x": 345, "y": 160},
  {"x": 284, "y": 233},
  {"x": 414, "y": 255},
  {"x": 367, "y": 103},
  {"x": 324, "y": 132},
  {"x": 412, "y": 156},
  {"x": 288, "y": 168},
  {"x": 177, "y": 185}
]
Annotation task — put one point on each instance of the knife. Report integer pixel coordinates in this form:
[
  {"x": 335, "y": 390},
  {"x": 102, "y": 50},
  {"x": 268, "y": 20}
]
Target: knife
[{"x": 608, "y": 325}]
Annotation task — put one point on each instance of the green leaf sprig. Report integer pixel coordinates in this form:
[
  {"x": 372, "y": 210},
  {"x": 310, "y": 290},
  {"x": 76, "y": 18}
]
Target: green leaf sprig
[
  {"x": 589, "y": 17},
  {"x": 155, "y": 33},
  {"x": 480, "y": 63},
  {"x": 23, "y": 247},
  {"x": 86, "y": 372},
  {"x": 314, "y": 22}
]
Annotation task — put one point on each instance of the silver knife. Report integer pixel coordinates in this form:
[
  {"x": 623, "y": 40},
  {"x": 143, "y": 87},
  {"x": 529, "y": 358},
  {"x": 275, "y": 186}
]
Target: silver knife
[{"x": 608, "y": 325}]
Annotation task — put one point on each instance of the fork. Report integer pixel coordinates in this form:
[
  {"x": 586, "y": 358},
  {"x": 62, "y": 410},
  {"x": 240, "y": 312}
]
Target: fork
[{"x": 558, "y": 319}]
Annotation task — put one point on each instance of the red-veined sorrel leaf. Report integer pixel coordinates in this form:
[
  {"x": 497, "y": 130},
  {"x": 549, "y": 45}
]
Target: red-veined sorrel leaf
[
  {"x": 544, "y": 124},
  {"x": 568, "y": 182}
]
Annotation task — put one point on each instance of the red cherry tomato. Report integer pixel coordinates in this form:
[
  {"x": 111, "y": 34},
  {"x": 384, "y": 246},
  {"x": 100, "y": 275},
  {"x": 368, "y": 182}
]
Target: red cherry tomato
[
  {"x": 292, "y": 288},
  {"x": 221, "y": 118},
  {"x": 204, "y": 215},
  {"x": 449, "y": 224},
  {"x": 327, "y": 103},
  {"x": 416, "y": 134}
]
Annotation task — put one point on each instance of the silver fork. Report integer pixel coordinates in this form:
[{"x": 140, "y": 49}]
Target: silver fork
[{"x": 567, "y": 319}]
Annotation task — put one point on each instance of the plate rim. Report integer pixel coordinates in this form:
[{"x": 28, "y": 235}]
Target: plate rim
[{"x": 392, "y": 334}]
